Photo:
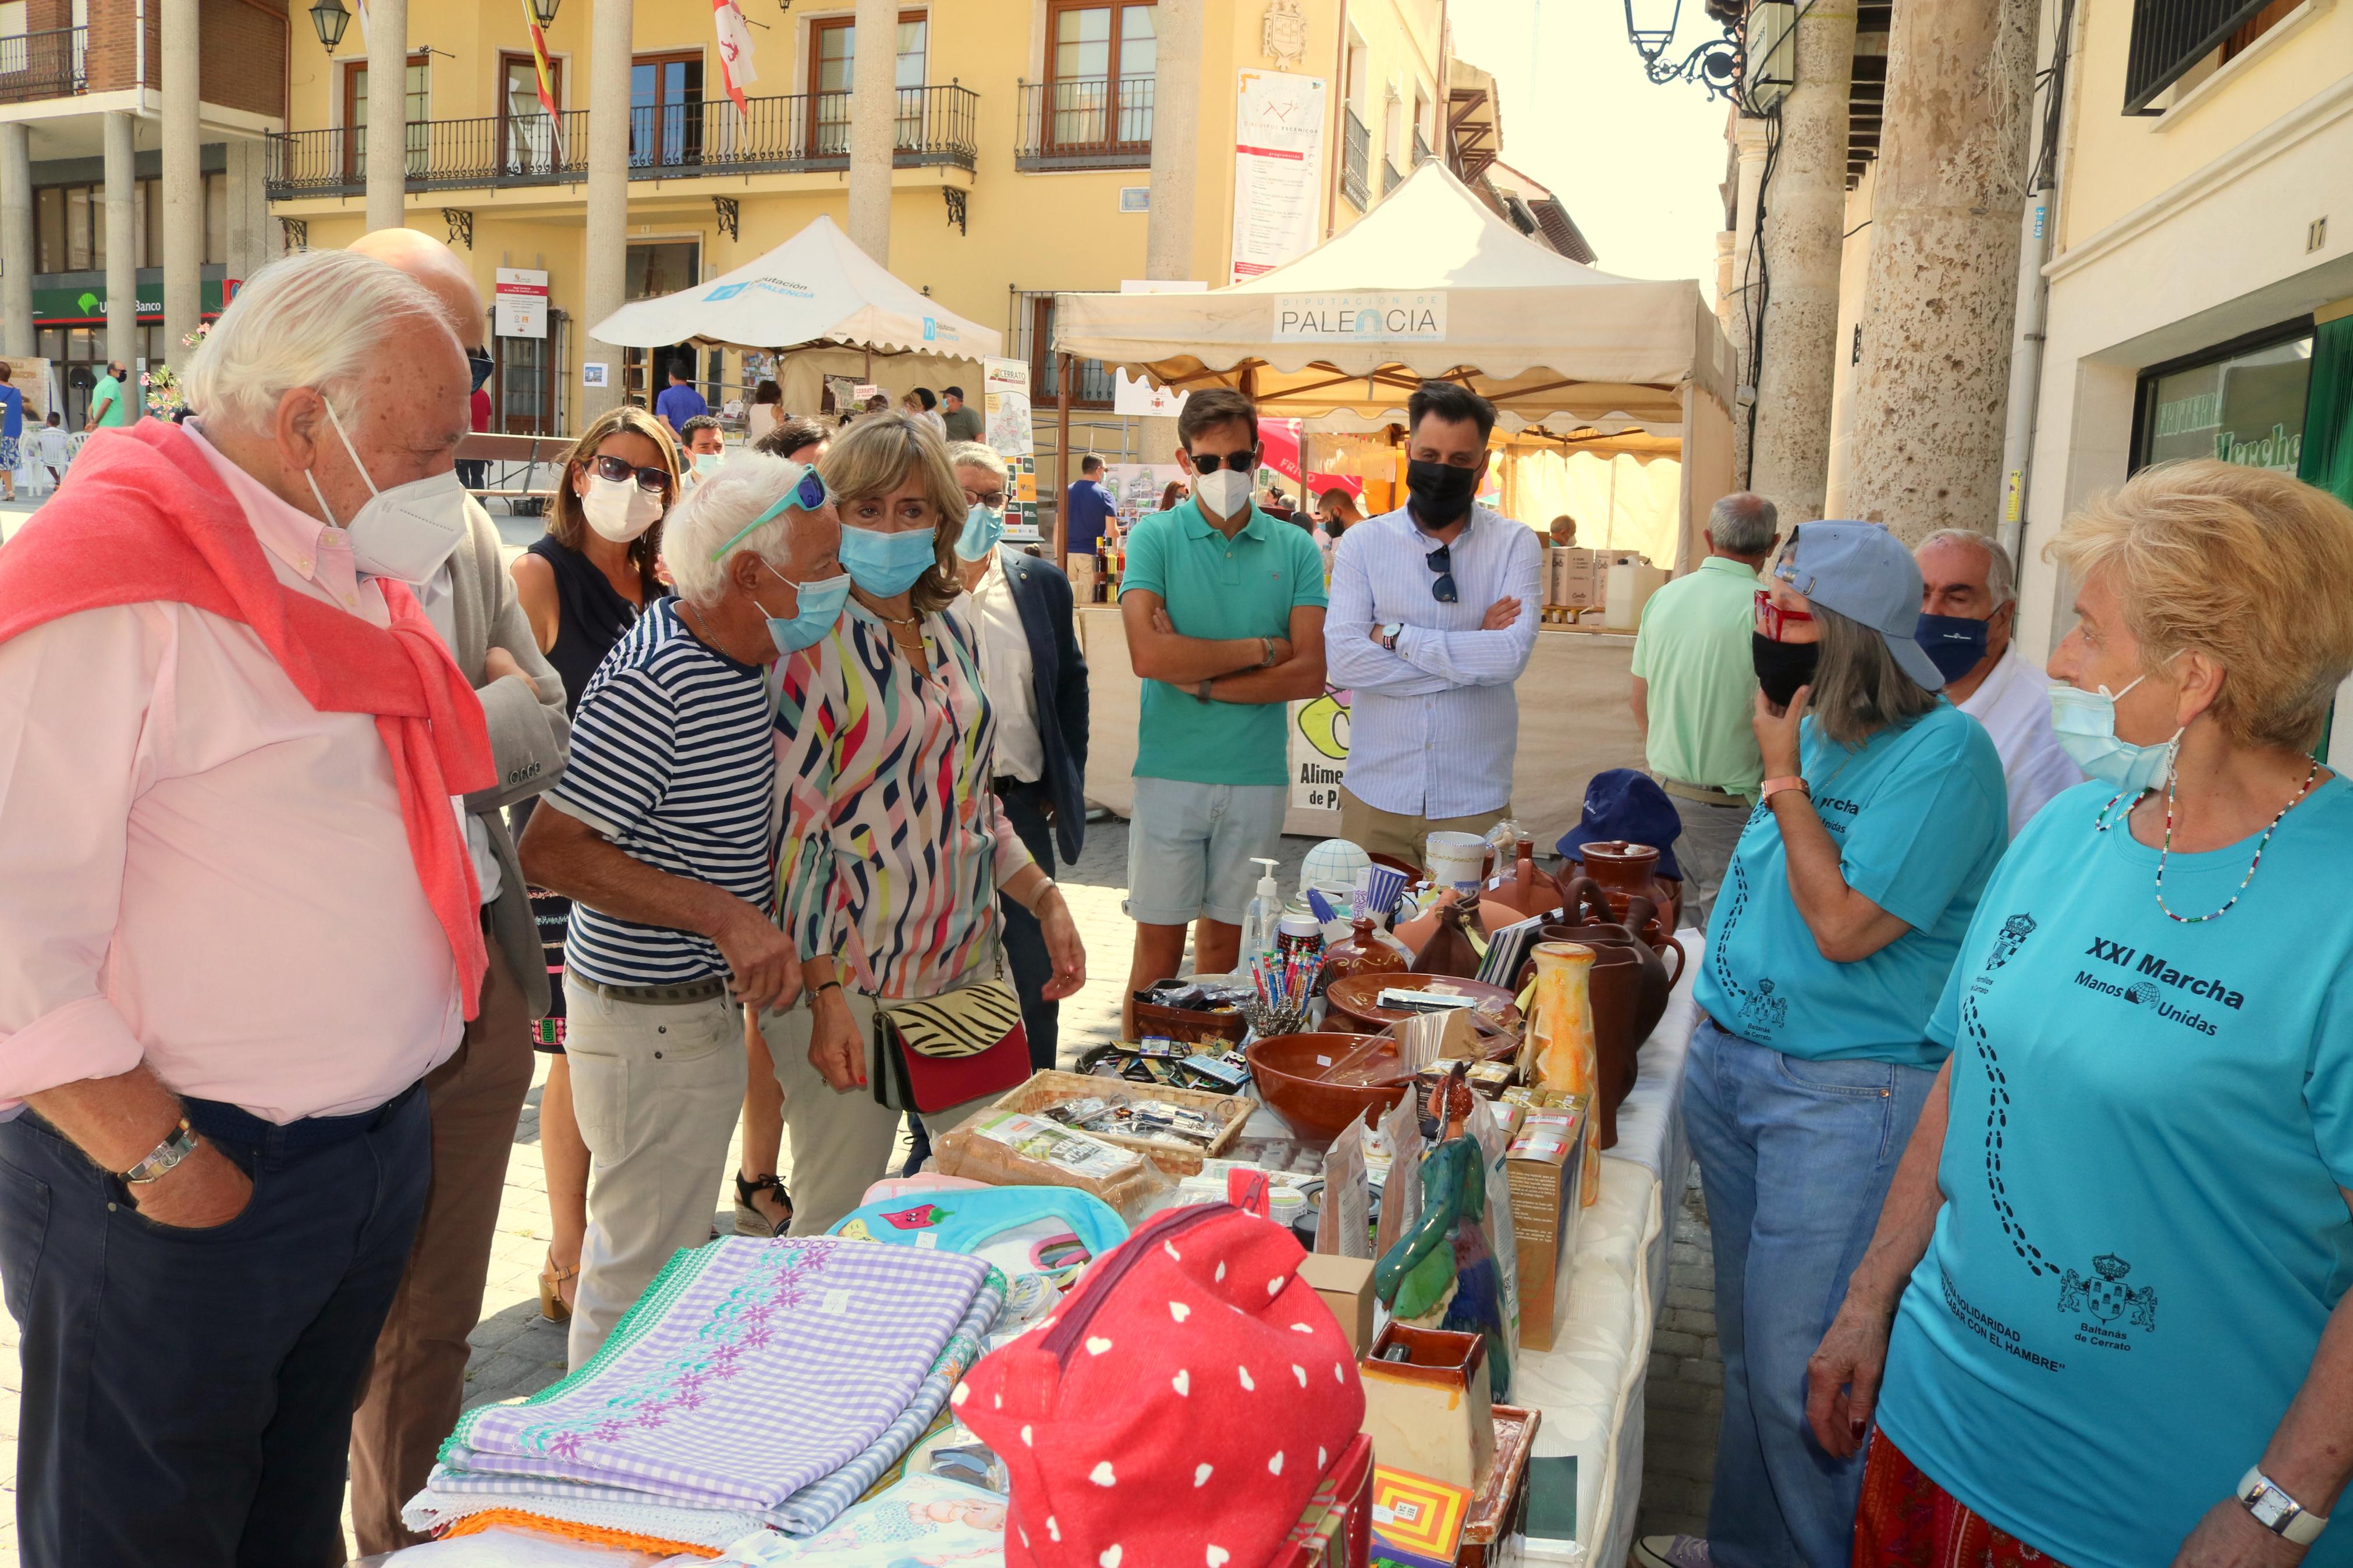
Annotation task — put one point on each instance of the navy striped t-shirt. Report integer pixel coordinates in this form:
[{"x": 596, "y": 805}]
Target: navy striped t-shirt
[{"x": 673, "y": 760}]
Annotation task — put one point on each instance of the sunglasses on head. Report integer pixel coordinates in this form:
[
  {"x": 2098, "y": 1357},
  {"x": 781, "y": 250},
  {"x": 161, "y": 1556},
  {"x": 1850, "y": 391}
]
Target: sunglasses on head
[
  {"x": 1441, "y": 561},
  {"x": 1210, "y": 462},
  {"x": 1772, "y": 617},
  {"x": 808, "y": 492},
  {"x": 617, "y": 469}
]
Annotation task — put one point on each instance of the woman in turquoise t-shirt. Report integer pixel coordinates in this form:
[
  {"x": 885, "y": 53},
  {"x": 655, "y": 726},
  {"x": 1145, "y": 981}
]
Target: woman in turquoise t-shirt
[
  {"x": 1883, "y": 811},
  {"x": 2127, "y": 1261}
]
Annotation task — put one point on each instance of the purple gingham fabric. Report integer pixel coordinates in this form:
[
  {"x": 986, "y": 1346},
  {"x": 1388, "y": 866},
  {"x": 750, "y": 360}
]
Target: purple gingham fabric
[{"x": 750, "y": 1370}]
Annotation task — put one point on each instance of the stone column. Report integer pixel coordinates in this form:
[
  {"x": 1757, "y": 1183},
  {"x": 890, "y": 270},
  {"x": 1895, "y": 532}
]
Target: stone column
[
  {"x": 1726, "y": 298},
  {"x": 183, "y": 184},
  {"x": 1176, "y": 138},
  {"x": 1747, "y": 135},
  {"x": 388, "y": 110},
  {"x": 1805, "y": 207},
  {"x": 122, "y": 258},
  {"x": 17, "y": 337},
  {"x": 1942, "y": 292},
  {"x": 873, "y": 125},
  {"x": 605, "y": 269},
  {"x": 255, "y": 240}
]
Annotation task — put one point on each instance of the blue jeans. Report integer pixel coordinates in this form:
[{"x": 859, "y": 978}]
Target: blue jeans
[{"x": 1796, "y": 1157}]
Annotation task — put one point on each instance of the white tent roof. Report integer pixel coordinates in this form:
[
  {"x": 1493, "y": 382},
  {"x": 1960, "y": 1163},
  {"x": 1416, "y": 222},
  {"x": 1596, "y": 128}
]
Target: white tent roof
[
  {"x": 817, "y": 287},
  {"x": 1431, "y": 283}
]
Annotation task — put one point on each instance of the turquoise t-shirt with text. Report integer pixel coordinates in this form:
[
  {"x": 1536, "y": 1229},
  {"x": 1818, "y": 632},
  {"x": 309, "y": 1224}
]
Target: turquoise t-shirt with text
[
  {"x": 1920, "y": 816},
  {"x": 1215, "y": 587},
  {"x": 2142, "y": 1235}
]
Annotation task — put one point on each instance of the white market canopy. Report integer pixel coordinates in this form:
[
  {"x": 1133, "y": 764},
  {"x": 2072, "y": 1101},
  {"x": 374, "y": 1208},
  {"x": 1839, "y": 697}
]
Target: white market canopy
[
  {"x": 816, "y": 288},
  {"x": 1431, "y": 283}
]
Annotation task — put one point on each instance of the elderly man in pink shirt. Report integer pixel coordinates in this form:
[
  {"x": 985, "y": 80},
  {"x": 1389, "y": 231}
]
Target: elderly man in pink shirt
[{"x": 241, "y": 922}]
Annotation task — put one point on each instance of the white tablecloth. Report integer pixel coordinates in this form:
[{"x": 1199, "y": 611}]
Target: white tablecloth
[{"x": 1589, "y": 1384}]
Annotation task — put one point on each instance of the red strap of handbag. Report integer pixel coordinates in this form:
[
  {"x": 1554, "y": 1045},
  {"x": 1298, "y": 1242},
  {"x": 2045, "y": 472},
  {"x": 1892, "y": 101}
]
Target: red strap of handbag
[{"x": 1180, "y": 1408}]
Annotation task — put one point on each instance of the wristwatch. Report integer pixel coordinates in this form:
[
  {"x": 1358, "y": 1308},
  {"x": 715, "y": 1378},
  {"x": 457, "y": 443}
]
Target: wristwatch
[
  {"x": 1390, "y": 632},
  {"x": 1772, "y": 787},
  {"x": 2276, "y": 1511},
  {"x": 1268, "y": 661},
  {"x": 164, "y": 1156},
  {"x": 1201, "y": 692}
]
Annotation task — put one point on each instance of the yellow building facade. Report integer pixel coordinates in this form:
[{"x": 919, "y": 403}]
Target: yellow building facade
[{"x": 1024, "y": 146}]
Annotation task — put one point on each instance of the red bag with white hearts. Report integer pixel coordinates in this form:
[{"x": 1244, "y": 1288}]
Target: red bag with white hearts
[{"x": 1179, "y": 1409}]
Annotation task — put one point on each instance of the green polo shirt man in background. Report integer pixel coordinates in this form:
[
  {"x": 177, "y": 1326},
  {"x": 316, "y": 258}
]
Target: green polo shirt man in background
[
  {"x": 111, "y": 401},
  {"x": 1694, "y": 692},
  {"x": 1223, "y": 607}
]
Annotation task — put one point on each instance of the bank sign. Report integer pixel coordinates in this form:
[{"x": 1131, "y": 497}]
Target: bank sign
[
  {"x": 1404, "y": 318},
  {"x": 69, "y": 306}
]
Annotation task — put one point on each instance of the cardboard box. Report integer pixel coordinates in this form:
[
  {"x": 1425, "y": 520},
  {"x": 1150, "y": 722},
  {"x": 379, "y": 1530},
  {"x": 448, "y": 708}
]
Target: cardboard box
[
  {"x": 1545, "y": 1168},
  {"x": 1571, "y": 577},
  {"x": 1345, "y": 1284},
  {"x": 1629, "y": 587}
]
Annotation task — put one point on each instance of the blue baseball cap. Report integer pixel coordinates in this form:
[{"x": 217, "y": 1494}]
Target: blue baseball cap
[
  {"x": 1623, "y": 803},
  {"x": 1863, "y": 571}
]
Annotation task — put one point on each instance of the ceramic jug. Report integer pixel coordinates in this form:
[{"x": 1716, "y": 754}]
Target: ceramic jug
[
  {"x": 1363, "y": 951},
  {"x": 1560, "y": 1052},
  {"x": 1448, "y": 949},
  {"x": 1589, "y": 922}
]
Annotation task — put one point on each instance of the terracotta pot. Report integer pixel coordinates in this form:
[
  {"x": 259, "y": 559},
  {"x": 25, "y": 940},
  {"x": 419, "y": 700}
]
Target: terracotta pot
[
  {"x": 1355, "y": 1002},
  {"x": 1416, "y": 932},
  {"x": 1449, "y": 949},
  {"x": 1522, "y": 888},
  {"x": 1363, "y": 951},
  {"x": 1623, "y": 870},
  {"x": 1287, "y": 1069},
  {"x": 1658, "y": 978}
]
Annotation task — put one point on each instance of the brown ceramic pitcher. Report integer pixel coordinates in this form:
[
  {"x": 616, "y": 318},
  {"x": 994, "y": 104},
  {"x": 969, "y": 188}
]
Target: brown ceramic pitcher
[{"x": 1588, "y": 920}]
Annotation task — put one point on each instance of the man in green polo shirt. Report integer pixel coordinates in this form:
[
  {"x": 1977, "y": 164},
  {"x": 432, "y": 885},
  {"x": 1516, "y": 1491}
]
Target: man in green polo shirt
[
  {"x": 111, "y": 402},
  {"x": 1224, "y": 611},
  {"x": 1695, "y": 693}
]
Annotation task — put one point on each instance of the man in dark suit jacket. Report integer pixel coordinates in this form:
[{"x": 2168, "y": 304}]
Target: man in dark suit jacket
[{"x": 1019, "y": 609}]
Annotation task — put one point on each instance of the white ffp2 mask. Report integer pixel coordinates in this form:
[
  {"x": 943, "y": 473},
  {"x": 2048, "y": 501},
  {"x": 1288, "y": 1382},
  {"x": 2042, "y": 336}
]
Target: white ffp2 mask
[{"x": 405, "y": 532}]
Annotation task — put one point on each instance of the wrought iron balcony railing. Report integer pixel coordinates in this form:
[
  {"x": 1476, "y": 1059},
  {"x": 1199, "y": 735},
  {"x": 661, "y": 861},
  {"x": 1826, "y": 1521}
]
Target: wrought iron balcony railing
[
  {"x": 937, "y": 127},
  {"x": 44, "y": 65},
  {"x": 1356, "y": 164},
  {"x": 1087, "y": 123}
]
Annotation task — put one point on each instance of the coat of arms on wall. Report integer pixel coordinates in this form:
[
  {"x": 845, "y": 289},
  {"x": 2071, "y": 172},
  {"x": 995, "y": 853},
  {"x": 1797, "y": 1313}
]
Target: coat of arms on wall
[{"x": 1285, "y": 38}]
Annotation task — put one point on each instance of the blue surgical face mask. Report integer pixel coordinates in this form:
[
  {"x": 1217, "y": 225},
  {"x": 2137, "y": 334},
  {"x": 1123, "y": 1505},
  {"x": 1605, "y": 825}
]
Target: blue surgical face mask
[
  {"x": 820, "y": 606},
  {"x": 1954, "y": 644},
  {"x": 2085, "y": 725},
  {"x": 887, "y": 565},
  {"x": 982, "y": 530}
]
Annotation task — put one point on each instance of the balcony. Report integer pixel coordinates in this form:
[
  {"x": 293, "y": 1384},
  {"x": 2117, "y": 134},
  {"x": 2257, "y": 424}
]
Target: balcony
[
  {"x": 1356, "y": 159},
  {"x": 1390, "y": 178},
  {"x": 798, "y": 133},
  {"x": 1421, "y": 150},
  {"x": 2170, "y": 37},
  {"x": 1087, "y": 123},
  {"x": 44, "y": 65}
]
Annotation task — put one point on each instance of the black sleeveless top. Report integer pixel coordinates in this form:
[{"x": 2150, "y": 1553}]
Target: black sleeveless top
[{"x": 593, "y": 617}]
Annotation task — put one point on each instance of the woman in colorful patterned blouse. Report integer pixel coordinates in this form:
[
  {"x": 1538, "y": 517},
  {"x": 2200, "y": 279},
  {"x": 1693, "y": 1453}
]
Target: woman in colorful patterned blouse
[{"x": 893, "y": 848}]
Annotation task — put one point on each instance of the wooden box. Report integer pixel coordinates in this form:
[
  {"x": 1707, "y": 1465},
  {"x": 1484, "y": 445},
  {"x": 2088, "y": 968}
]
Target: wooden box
[
  {"x": 1217, "y": 1030},
  {"x": 1500, "y": 1510},
  {"x": 1052, "y": 1088}
]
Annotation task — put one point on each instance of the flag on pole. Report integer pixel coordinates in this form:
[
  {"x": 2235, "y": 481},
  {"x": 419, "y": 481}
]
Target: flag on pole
[
  {"x": 546, "y": 77},
  {"x": 360, "y": 8},
  {"x": 734, "y": 50}
]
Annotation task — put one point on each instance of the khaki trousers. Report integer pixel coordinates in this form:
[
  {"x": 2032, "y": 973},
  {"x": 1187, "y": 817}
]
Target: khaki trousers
[
  {"x": 655, "y": 1090},
  {"x": 410, "y": 1397},
  {"x": 841, "y": 1142},
  {"x": 1393, "y": 833}
]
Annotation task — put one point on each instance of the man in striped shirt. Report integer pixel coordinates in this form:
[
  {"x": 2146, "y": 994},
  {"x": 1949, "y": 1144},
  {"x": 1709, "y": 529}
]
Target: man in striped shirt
[
  {"x": 661, "y": 834},
  {"x": 1433, "y": 618}
]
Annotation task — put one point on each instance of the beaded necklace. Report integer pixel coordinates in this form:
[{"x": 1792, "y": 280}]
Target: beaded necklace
[{"x": 2102, "y": 824}]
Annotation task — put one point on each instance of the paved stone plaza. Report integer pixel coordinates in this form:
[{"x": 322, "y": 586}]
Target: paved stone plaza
[{"x": 517, "y": 1352}]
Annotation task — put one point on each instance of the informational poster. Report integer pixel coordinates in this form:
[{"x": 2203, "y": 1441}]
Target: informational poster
[
  {"x": 1140, "y": 399},
  {"x": 521, "y": 308},
  {"x": 1139, "y": 487},
  {"x": 1278, "y": 170},
  {"x": 1005, "y": 413},
  {"x": 1319, "y": 749}
]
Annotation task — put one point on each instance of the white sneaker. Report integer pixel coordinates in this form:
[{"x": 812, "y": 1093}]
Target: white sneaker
[{"x": 1672, "y": 1552}]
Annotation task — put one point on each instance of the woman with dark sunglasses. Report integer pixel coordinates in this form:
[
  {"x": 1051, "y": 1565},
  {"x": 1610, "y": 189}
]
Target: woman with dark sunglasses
[{"x": 583, "y": 583}]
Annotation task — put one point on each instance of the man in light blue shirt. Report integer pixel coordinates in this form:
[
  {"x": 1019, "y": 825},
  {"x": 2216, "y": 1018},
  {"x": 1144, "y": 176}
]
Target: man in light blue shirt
[{"x": 1433, "y": 616}]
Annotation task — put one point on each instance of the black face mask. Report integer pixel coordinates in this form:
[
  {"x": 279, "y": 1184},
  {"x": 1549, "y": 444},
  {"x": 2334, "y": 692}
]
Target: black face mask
[
  {"x": 1441, "y": 492},
  {"x": 1782, "y": 666}
]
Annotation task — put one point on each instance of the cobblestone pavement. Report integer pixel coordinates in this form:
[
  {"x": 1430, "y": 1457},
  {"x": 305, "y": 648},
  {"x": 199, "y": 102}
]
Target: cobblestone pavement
[{"x": 518, "y": 1353}]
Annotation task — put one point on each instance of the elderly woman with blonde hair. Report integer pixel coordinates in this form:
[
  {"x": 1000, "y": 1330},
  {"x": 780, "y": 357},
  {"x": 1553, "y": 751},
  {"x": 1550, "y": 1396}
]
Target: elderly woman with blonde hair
[
  {"x": 2114, "y": 1261},
  {"x": 895, "y": 846}
]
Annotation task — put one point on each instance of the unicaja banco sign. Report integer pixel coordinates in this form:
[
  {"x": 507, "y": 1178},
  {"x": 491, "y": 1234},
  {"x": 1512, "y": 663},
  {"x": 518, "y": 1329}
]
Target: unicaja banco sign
[{"x": 1360, "y": 318}]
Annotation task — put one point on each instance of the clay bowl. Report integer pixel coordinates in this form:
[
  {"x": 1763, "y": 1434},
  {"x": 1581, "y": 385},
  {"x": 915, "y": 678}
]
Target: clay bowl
[
  {"x": 1292, "y": 1074},
  {"x": 1351, "y": 1003}
]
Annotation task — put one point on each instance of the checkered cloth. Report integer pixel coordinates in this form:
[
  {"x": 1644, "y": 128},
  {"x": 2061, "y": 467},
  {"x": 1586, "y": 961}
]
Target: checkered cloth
[{"x": 751, "y": 1373}]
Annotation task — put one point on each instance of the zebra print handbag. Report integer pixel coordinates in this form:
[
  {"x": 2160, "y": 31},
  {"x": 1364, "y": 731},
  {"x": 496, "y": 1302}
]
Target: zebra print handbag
[{"x": 943, "y": 1050}]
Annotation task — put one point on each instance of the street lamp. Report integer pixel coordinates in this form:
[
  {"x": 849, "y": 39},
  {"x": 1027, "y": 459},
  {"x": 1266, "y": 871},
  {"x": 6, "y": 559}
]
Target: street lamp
[
  {"x": 330, "y": 17},
  {"x": 1714, "y": 65},
  {"x": 544, "y": 12}
]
